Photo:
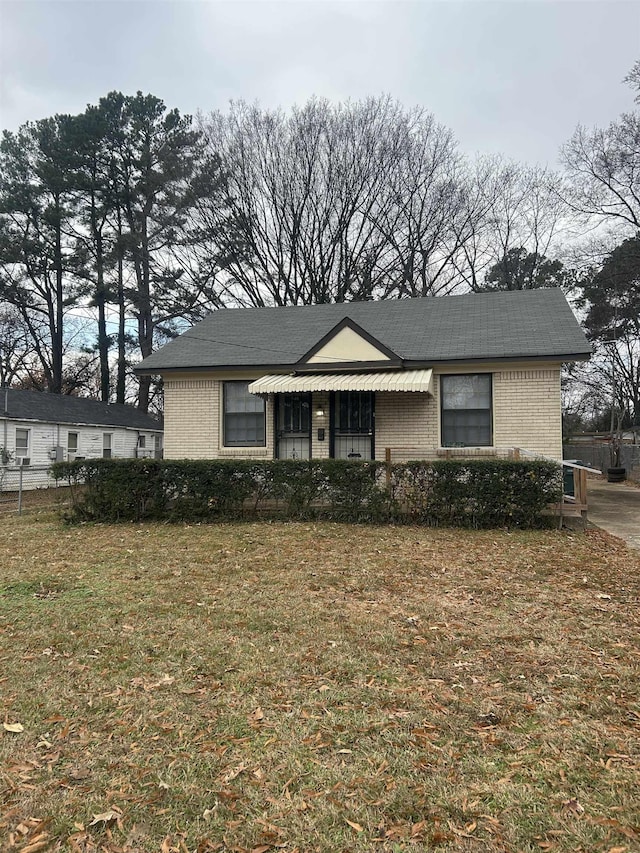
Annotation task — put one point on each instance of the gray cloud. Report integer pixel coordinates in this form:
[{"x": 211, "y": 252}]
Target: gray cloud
[{"x": 507, "y": 77}]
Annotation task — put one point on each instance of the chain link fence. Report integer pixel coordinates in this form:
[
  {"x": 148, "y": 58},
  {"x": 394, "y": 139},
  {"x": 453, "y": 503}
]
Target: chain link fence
[
  {"x": 29, "y": 487},
  {"x": 597, "y": 455}
]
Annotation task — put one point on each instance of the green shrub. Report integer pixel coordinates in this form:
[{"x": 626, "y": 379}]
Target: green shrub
[
  {"x": 478, "y": 492},
  {"x": 470, "y": 493}
]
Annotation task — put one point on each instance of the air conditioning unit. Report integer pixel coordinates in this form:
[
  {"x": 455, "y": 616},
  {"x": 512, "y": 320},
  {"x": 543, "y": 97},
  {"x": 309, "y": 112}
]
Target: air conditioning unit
[{"x": 24, "y": 461}]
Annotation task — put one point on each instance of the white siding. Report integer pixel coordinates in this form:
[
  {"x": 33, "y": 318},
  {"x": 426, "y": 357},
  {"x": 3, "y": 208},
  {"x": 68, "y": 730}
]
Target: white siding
[{"x": 44, "y": 437}]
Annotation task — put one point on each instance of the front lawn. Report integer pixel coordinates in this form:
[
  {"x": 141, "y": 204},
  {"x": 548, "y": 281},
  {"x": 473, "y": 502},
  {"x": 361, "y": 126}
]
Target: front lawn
[{"x": 316, "y": 687}]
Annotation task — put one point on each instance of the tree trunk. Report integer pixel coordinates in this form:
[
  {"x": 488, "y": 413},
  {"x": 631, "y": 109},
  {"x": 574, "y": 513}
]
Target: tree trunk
[{"x": 58, "y": 318}]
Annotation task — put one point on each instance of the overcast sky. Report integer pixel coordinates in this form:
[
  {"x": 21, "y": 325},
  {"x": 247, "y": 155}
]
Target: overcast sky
[{"x": 511, "y": 77}]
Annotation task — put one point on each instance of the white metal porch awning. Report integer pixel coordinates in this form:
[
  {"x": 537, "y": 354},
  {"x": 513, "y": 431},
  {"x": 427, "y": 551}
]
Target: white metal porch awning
[{"x": 393, "y": 380}]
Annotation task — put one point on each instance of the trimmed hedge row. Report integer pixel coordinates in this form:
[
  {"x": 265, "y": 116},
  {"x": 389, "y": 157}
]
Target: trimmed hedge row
[{"x": 468, "y": 493}]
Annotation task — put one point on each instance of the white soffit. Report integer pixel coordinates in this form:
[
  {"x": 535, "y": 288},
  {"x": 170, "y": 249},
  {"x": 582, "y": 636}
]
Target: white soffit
[{"x": 395, "y": 380}]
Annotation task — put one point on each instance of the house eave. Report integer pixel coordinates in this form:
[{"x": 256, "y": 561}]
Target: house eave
[
  {"x": 399, "y": 364},
  {"x": 62, "y": 422}
]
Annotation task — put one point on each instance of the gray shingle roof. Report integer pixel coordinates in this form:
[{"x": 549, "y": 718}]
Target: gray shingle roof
[
  {"x": 528, "y": 324},
  {"x": 59, "y": 408}
]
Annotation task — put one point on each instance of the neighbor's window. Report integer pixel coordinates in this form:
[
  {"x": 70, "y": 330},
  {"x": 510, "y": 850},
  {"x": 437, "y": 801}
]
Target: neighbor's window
[
  {"x": 22, "y": 443},
  {"x": 142, "y": 442},
  {"x": 72, "y": 442},
  {"x": 106, "y": 445},
  {"x": 244, "y": 421},
  {"x": 466, "y": 410}
]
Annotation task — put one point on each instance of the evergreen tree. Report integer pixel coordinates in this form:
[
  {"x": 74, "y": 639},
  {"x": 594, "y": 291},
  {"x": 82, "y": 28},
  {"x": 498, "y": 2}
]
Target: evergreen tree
[
  {"x": 611, "y": 297},
  {"x": 37, "y": 257},
  {"x": 522, "y": 270}
]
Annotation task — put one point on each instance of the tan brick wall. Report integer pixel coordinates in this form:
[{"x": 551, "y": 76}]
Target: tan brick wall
[
  {"x": 193, "y": 421},
  {"x": 319, "y": 449},
  {"x": 407, "y": 423},
  {"x": 190, "y": 418},
  {"x": 526, "y": 414},
  {"x": 526, "y": 411}
]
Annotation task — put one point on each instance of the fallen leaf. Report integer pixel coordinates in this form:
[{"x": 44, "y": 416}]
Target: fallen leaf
[
  {"x": 40, "y": 842},
  {"x": 257, "y": 715},
  {"x": 13, "y": 727},
  {"x": 230, "y": 775},
  {"x": 573, "y": 805},
  {"x": 355, "y": 826},
  {"x": 78, "y": 774},
  {"x": 105, "y": 817}
]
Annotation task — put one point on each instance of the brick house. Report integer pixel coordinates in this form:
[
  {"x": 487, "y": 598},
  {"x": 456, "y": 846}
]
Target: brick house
[{"x": 462, "y": 375}]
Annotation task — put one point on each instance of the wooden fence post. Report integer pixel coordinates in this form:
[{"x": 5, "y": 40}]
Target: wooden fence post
[
  {"x": 580, "y": 486},
  {"x": 387, "y": 462}
]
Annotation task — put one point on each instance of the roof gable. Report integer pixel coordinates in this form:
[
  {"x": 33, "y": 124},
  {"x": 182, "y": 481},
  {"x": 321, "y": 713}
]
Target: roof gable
[{"x": 347, "y": 343}]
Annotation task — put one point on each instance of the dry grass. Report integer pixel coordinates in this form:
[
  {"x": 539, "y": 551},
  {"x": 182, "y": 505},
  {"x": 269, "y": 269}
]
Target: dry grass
[{"x": 317, "y": 687}]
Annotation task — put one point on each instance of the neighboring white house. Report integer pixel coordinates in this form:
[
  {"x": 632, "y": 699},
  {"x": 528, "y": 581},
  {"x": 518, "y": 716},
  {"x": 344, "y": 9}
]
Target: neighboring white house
[{"x": 37, "y": 429}]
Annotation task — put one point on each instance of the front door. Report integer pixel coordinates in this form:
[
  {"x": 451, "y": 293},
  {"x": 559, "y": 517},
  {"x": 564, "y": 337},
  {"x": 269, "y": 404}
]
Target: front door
[
  {"x": 353, "y": 421},
  {"x": 293, "y": 426}
]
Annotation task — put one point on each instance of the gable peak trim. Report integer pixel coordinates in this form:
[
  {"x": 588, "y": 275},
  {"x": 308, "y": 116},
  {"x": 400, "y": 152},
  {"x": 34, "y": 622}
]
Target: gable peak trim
[{"x": 348, "y": 323}]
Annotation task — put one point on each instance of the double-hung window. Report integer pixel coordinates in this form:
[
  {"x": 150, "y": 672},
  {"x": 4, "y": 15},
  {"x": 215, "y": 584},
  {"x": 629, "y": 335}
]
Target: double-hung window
[
  {"x": 72, "y": 445},
  {"x": 106, "y": 445},
  {"x": 22, "y": 443},
  {"x": 466, "y": 410},
  {"x": 243, "y": 416}
]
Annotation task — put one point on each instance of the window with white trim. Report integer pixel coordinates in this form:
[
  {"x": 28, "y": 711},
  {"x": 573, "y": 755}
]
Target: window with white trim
[
  {"x": 243, "y": 416},
  {"x": 106, "y": 445},
  {"x": 466, "y": 410},
  {"x": 22, "y": 443},
  {"x": 72, "y": 445}
]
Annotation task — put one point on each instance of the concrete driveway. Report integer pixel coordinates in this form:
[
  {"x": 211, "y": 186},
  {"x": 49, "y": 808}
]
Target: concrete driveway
[{"x": 615, "y": 508}]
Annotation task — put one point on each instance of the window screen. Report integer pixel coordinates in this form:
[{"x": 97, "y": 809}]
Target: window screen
[
  {"x": 243, "y": 416},
  {"x": 466, "y": 410},
  {"x": 22, "y": 442}
]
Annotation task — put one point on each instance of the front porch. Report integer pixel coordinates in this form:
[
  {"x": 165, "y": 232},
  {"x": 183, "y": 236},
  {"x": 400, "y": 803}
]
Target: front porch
[{"x": 351, "y": 416}]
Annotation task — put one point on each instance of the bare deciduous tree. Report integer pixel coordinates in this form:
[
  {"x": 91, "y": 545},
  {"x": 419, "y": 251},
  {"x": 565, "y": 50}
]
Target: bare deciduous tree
[
  {"x": 603, "y": 166},
  {"x": 517, "y": 207},
  {"x": 332, "y": 203}
]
